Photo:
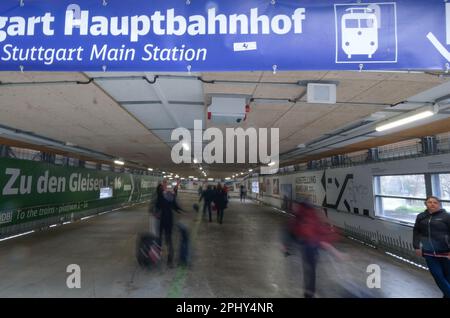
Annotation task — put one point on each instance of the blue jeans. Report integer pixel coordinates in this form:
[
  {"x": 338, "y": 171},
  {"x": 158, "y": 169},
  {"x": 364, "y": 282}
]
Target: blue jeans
[
  {"x": 440, "y": 270},
  {"x": 310, "y": 255}
]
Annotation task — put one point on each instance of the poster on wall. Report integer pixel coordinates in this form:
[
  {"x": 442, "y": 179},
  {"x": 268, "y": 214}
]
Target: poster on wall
[
  {"x": 255, "y": 187},
  {"x": 286, "y": 195},
  {"x": 309, "y": 187},
  {"x": 276, "y": 186}
]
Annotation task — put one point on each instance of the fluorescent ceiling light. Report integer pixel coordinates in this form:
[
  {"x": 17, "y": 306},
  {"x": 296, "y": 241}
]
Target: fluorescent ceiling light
[
  {"x": 250, "y": 170},
  {"x": 408, "y": 118},
  {"x": 150, "y": 169},
  {"x": 242, "y": 173},
  {"x": 227, "y": 178},
  {"x": 191, "y": 177},
  {"x": 119, "y": 162},
  {"x": 201, "y": 168},
  {"x": 210, "y": 179}
]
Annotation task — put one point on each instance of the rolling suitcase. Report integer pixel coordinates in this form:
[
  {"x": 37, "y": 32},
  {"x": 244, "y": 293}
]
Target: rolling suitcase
[
  {"x": 148, "y": 245},
  {"x": 148, "y": 250}
]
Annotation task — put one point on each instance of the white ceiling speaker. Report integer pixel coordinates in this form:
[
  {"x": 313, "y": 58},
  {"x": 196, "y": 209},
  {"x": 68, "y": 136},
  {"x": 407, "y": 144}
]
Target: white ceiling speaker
[
  {"x": 228, "y": 110},
  {"x": 321, "y": 93}
]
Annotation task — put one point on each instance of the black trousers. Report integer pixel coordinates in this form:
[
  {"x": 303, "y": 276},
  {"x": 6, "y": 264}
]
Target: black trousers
[
  {"x": 207, "y": 205},
  {"x": 310, "y": 254},
  {"x": 166, "y": 230},
  {"x": 220, "y": 215},
  {"x": 440, "y": 270}
]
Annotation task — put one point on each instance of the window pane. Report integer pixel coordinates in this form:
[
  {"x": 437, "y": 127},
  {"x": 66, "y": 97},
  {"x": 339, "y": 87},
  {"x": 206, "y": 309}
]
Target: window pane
[
  {"x": 403, "y": 186},
  {"x": 446, "y": 206},
  {"x": 444, "y": 180},
  {"x": 401, "y": 209},
  {"x": 351, "y": 23},
  {"x": 366, "y": 23}
]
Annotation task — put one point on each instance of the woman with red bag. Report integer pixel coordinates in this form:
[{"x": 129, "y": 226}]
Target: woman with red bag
[{"x": 310, "y": 232}]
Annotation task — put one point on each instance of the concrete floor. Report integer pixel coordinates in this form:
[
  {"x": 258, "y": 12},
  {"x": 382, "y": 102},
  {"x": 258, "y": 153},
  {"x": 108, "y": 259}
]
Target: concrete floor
[{"x": 240, "y": 258}]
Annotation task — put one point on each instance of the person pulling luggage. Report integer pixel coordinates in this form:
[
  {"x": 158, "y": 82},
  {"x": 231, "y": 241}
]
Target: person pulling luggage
[{"x": 167, "y": 203}]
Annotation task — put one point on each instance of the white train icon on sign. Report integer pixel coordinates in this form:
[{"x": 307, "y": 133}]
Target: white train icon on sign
[{"x": 359, "y": 29}]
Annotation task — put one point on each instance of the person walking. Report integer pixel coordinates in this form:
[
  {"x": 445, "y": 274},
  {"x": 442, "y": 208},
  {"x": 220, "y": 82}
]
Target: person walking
[
  {"x": 309, "y": 233},
  {"x": 167, "y": 203},
  {"x": 431, "y": 239},
  {"x": 243, "y": 192},
  {"x": 220, "y": 200},
  {"x": 208, "y": 197}
]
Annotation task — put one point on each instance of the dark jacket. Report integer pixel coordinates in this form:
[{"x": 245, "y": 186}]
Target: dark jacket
[
  {"x": 167, "y": 205},
  {"x": 220, "y": 199},
  {"x": 207, "y": 195},
  {"x": 433, "y": 231}
]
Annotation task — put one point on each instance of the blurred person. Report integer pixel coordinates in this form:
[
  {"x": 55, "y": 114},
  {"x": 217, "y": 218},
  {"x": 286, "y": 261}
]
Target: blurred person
[
  {"x": 431, "y": 239},
  {"x": 220, "y": 201},
  {"x": 309, "y": 232},
  {"x": 175, "y": 189},
  {"x": 227, "y": 195},
  {"x": 208, "y": 197},
  {"x": 243, "y": 192},
  {"x": 200, "y": 190},
  {"x": 167, "y": 203}
]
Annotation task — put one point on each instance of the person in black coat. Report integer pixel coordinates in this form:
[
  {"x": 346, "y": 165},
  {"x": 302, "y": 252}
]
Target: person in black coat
[
  {"x": 208, "y": 197},
  {"x": 166, "y": 203},
  {"x": 431, "y": 239},
  {"x": 220, "y": 200}
]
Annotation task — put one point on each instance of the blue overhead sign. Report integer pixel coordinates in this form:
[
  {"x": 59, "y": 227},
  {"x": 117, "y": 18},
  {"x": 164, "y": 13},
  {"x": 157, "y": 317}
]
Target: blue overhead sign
[{"x": 223, "y": 35}]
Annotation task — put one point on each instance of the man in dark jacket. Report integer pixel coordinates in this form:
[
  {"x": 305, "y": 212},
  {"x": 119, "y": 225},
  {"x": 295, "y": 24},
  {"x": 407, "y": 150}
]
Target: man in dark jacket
[
  {"x": 220, "y": 200},
  {"x": 208, "y": 197},
  {"x": 432, "y": 231},
  {"x": 167, "y": 203}
]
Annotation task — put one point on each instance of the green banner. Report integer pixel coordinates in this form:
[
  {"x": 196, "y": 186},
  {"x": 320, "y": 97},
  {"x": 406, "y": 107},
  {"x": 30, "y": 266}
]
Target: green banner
[{"x": 33, "y": 190}]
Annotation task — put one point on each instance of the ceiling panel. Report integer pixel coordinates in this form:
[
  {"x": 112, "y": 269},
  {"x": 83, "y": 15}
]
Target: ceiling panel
[
  {"x": 85, "y": 115},
  {"x": 129, "y": 90},
  {"x": 229, "y": 89},
  {"x": 18, "y": 77},
  {"x": 270, "y": 105},
  {"x": 391, "y": 92},
  {"x": 152, "y": 116},
  {"x": 186, "y": 90},
  {"x": 292, "y": 77},
  {"x": 262, "y": 118},
  {"x": 278, "y": 91},
  {"x": 186, "y": 114},
  {"x": 300, "y": 116},
  {"x": 232, "y": 76}
]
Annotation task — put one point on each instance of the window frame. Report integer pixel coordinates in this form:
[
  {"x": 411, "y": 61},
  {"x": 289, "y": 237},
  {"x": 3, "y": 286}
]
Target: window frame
[
  {"x": 378, "y": 197},
  {"x": 432, "y": 187}
]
